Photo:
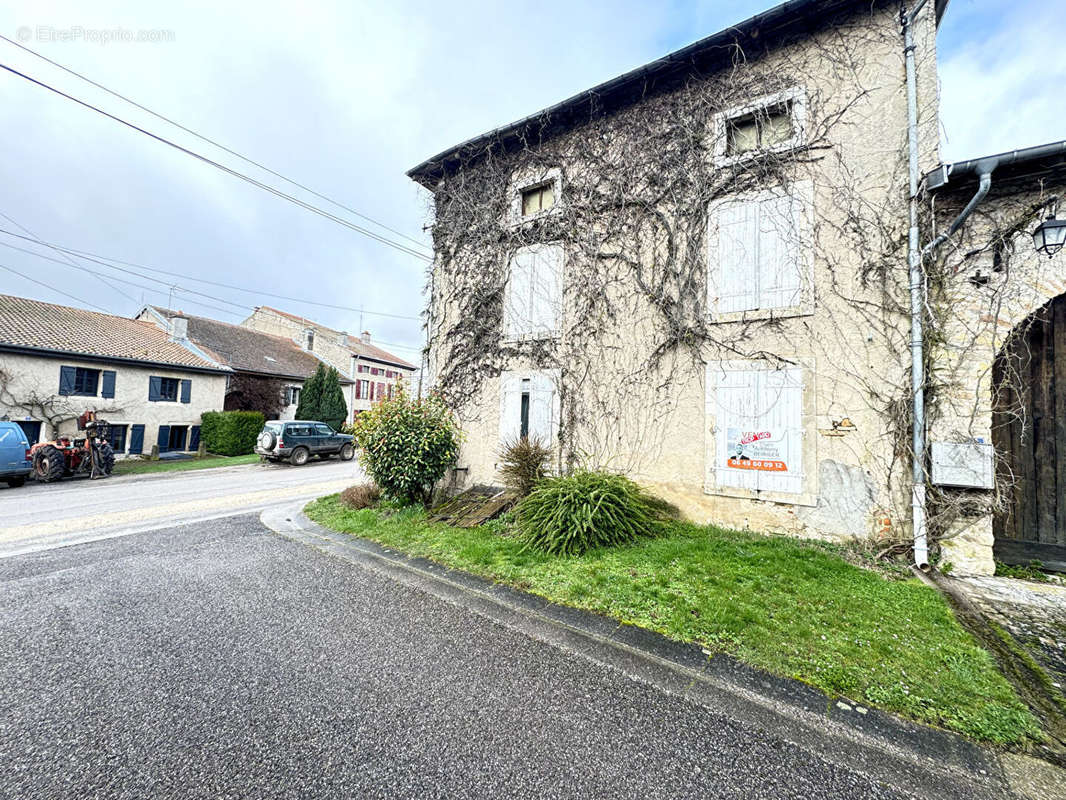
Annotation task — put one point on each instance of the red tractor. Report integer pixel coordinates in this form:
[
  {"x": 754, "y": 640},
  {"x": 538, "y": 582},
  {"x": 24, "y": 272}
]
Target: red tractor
[{"x": 65, "y": 456}]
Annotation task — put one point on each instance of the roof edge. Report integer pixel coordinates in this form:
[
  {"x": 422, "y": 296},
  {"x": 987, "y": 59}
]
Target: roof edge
[{"x": 47, "y": 352}]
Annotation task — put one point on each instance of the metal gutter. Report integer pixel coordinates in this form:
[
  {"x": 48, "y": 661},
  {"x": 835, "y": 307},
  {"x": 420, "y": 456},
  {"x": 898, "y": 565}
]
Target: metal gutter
[
  {"x": 943, "y": 174},
  {"x": 786, "y": 13},
  {"x": 47, "y": 352}
]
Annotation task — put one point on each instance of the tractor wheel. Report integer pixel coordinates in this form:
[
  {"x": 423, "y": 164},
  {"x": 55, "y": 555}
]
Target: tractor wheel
[
  {"x": 107, "y": 458},
  {"x": 48, "y": 464}
]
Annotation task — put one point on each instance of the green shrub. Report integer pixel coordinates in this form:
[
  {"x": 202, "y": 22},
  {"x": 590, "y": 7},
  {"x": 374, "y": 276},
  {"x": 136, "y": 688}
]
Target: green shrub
[
  {"x": 363, "y": 495},
  {"x": 230, "y": 433},
  {"x": 523, "y": 464},
  {"x": 571, "y": 514},
  {"x": 407, "y": 445}
]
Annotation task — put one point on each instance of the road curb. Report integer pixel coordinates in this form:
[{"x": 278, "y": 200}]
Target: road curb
[{"x": 922, "y": 761}]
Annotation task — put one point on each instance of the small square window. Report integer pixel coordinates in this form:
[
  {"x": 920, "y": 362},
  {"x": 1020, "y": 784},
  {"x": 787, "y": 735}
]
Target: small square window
[
  {"x": 86, "y": 381},
  {"x": 168, "y": 389},
  {"x": 537, "y": 199},
  {"x": 764, "y": 129}
]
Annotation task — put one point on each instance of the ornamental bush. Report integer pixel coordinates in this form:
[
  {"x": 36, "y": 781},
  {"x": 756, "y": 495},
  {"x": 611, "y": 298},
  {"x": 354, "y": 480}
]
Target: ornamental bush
[
  {"x": 573, "y": 513},
  {"x": 407, "y": 445},
  {"x": 523, "y": 463},
  {"x": 230, "y": 433},
  {"x": 322, "y": 398}
]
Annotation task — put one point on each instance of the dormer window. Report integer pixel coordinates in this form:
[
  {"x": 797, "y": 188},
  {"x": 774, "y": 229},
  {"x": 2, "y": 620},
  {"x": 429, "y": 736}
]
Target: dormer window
[{"x": 537, "y": 199}]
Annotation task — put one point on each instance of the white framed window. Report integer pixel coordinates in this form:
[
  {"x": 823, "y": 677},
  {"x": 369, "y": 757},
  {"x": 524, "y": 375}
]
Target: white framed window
[
  {"x": 529, "y": 405},
  {"x": 535, "y": 194},
  {"x": 758, "y": 424},
  {"x": 759, "y": 253},
  {"x": 773, "y": 123},
  {"x": 533, "y": 295}
]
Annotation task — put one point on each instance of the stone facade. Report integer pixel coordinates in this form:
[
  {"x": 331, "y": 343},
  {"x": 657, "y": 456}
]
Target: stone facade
[{"x": 843, "y": 340}]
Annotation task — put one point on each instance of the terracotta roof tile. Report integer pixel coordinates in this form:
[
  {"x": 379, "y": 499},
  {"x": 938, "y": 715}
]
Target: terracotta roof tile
[
  {"x": 31, "y": 323},
  {"x": 355, "y": 344}
]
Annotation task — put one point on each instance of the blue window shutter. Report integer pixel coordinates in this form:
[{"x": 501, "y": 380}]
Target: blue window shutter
[
  {"x": 186, "y": 391},
  {"x": 155, "y": 388},
  {"x": 66, "y": 380},
  {"x": 164, "y": 438},
  {"x": 109, "y": 383},
  {"x": 194, "y": 437},
  {"x": 137, "y": 439}
]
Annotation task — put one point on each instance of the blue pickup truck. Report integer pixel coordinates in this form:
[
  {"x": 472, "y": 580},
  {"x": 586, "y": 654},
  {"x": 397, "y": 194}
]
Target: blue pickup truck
[{"x": 15, "y": 462}]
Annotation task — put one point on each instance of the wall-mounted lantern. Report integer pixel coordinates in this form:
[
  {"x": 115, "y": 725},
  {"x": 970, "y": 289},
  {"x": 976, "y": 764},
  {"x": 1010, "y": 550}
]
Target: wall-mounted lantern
[{"x": 1050, "y": 235}]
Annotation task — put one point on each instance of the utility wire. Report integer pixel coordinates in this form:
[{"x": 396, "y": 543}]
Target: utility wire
[
  {"x": 99, "y": 259},
  {"x": 277, "y": 192},
  {"x": 54, "y": 289},
  {"x": 210, "y": 141},
  {"x": 66, "y": 258}
]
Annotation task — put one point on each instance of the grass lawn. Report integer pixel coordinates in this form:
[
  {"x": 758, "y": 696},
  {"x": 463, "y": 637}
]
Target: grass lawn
[
  {"x": 793, "y": 608},
  {"x": 137, "y": 466}
]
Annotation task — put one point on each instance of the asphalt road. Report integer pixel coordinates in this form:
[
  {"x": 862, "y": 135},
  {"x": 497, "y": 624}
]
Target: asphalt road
[
  {"x": 38, "y": 516},
  {"x": 221, "y": 660}
]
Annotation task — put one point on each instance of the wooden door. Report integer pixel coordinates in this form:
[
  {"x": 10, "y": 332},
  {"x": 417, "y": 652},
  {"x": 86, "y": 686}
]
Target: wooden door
[{"x": 1029, "y": 433}]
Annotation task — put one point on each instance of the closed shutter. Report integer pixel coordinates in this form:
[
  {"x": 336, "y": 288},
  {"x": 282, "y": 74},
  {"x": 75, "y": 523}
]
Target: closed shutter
[
  {"x": 163, "y": 440},
  {"x": 136, "y": 439},
  {"x": 186, "y": 391},
  {"x": 510, "y": 406},
  {"x": 66, "y": 380},
  {"x": 381, "y": 391},
  {"x": 758, "y": 432},
  {"x": 194, "y": 437},
  {"x": 358, "y": 390},
  {"x": 779, "y": 247},
  {"x": 108, "y": 387},
  {"x": 543, "y": 408},
  {"x": 735, "y": 287},
  {"x": 517, "y": 311},
  {"x": 155, "y": 389},
  {"x": 546, "y": 290}
]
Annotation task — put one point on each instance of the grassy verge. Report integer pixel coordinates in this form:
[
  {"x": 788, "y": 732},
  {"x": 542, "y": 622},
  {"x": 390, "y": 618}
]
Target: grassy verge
[
  {"x": 137, "y": 466},
  {"x": 791, "y": 608}
]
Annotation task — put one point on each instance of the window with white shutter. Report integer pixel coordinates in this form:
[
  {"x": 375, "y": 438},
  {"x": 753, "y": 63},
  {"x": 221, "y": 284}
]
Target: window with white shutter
[
  {"x": 758, "y": 252},
  {"x": 533, "y": 297},
  {"x": 757, "y": 428},
  {"x": 529, "y": 403}
]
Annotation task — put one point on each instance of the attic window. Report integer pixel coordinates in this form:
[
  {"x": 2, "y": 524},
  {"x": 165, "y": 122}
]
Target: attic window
[
  {"x": 765, "y": 129},
  {"x": 538, "y": 198},
  {"x": 310, "y": 340}
]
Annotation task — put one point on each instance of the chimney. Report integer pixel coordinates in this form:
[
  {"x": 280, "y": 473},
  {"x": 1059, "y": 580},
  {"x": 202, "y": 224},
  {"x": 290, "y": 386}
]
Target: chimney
[
  {"x": 366, "y": 336},
  {"x": 309, "y": 338},
  {"x": 342, "y": 338},
  {"x": 179, "y": 327}
]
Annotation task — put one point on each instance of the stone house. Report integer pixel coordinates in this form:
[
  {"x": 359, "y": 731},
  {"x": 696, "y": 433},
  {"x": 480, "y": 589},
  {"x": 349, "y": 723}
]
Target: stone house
[
  {"x": 268, "y": 371},
  {"x": 697, "y": 273},
  {"x": 57, "y": 362},
  {"x": 371, "y": 373}
]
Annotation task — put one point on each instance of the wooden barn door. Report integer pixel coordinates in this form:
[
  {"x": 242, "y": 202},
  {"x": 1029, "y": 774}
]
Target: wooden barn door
[{"x": 1029, "y": 433}]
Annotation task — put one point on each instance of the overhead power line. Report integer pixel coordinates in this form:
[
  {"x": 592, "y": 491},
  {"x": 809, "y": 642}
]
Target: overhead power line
[
  {"x": 259, "y": 184},
  {"x": 108, "y": 261},
  {"x": 54, "y": 289},
  {"x": 213, "y": 142}
]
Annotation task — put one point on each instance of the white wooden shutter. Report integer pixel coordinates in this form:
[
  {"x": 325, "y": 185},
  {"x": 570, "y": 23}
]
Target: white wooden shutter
[
  {"x": 779, "y": 252},
  {"x": 735, "y": 399},
  {"x": 546, "y": 289},
  {"x": 510, "y": 406},
  {"x": 543, "y": 407},
  {"x": 736, "y": 273},
  {"x": 781, "y": 411},
  {"x": 517, "y": 320}
]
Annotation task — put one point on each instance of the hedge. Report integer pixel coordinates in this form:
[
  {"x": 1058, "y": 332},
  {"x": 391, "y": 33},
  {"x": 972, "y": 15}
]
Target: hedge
[{"x": 230, "y": 433}]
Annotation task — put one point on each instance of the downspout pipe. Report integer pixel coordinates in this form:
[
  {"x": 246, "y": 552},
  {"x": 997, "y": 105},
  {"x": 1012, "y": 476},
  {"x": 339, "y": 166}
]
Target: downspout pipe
[
  {"x": 917, "y": 291},
  {"x": 916, "y": 267}
]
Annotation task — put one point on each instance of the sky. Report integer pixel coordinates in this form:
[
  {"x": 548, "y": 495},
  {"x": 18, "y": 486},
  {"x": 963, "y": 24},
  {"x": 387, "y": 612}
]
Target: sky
[{"x": 344, "y": 98}]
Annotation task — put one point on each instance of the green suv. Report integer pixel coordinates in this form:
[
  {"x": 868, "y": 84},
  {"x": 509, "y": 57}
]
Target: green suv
[{"x": 297, "y": 440}]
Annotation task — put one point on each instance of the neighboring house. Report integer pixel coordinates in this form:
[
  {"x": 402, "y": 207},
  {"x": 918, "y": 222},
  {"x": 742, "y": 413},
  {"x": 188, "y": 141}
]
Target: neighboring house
[
  {"x": 58, "y": 361},
  {"x": 697, "y": 273},
  {"x": 374, "y": 372},
  {"x": 268, "y": 371}
]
